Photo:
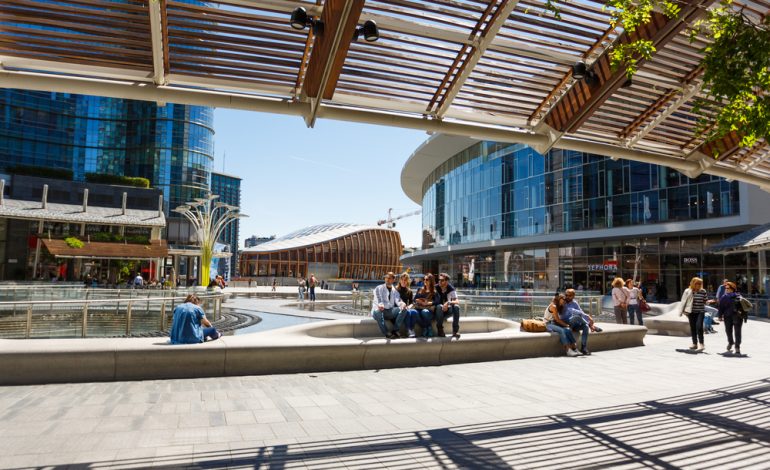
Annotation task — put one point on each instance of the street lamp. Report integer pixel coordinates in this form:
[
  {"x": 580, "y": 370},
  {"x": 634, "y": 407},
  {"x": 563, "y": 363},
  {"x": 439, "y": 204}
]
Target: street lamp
[{"x": 209, "y": 218}]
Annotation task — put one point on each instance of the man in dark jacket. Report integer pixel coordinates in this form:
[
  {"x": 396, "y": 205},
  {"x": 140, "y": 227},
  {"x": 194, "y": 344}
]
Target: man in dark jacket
[{"x": 450, "y": 305}]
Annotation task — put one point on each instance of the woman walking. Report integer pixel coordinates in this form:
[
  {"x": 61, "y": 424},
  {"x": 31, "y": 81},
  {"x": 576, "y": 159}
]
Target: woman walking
[
  {"x": 634, "y": 295},
  {"x": 693, "y": 304},
  {"x": 619, "y": 300},
  {"x": 729, "y": 314}
]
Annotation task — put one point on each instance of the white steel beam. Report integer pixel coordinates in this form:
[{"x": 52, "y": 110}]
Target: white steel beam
[
  {"x": 221, "y": 84},
  {"x": 687, "y": 93},
  {"x": 157, "y": 39},
  {"x": 150, "y": 92},
  {"x": 490, "y": 33},
  {"x": 10, "y": 62}
]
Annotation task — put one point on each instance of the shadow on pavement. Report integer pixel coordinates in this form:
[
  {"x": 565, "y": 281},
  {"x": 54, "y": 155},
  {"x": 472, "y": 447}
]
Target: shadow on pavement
[{"x": 716, "y": 429}]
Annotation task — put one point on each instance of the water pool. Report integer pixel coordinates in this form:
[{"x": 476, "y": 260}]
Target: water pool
[{"x": 272, "y": 321}]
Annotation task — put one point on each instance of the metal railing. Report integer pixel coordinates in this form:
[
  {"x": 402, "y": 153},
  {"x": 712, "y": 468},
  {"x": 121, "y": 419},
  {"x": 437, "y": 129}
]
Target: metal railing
[{"x": 86, "y": 318}]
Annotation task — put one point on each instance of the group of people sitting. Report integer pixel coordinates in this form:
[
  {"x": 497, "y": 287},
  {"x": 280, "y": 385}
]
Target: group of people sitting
[
  {"x": 398, "y": 305},
  {"x": 565, "y": 317}
]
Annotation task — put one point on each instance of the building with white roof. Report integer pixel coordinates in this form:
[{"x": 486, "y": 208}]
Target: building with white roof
[{"x": 330, "y": 251}]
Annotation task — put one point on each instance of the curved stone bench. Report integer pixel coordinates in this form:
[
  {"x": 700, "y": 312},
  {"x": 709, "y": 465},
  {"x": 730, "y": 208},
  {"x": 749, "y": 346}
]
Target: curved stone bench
[
  {"x": 668, "y": 322},
  {"x": 334, "y": 345}
]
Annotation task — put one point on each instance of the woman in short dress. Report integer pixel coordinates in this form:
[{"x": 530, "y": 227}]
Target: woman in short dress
[{"x": 555, "y": 324}]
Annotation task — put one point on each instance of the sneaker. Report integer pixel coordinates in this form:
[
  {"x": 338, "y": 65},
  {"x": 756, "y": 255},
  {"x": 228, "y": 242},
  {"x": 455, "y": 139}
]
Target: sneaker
[
  {"x": 572, "y": 353},
  {"x": 693, "y": 347},
  {"x": 395, "y": 335},
  {"x": 597, "y": 329},
  {"x": 456, "y": 335},
  {"x": 585, "y": 351},
  {"x": 701, "y": 347},
  {"x": 411, "y": 333}
]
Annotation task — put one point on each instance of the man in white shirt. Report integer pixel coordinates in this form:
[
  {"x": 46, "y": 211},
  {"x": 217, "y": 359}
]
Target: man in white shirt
[{"x": 387, "y": 305}]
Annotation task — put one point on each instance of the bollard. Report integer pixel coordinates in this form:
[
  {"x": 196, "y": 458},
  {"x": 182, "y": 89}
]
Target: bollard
[
  {"x": 128, "y": 319},
  {"x": 85, "y": 321},
  {"x": 29, "y": 322},
  {"x": 162, "y": 316}
]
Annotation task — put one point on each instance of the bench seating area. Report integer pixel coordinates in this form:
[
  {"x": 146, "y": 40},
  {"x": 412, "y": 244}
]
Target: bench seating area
[
  {"x": 316, "y": 347},
  {"x": 667, "y": 320}
]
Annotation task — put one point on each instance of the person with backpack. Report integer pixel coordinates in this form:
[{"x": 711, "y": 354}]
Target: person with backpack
[{"x": 730, "y": 312}]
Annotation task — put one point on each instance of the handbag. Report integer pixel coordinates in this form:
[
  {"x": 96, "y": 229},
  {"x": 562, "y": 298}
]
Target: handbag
[
  {"x": 643, "y": 306},
  {"x": 746, "y": 305},
  {"x": 533, "y": 326}
]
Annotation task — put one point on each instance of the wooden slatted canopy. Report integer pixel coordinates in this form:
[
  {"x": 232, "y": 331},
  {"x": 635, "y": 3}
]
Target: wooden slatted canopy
[{"x": 491, "y": 69}]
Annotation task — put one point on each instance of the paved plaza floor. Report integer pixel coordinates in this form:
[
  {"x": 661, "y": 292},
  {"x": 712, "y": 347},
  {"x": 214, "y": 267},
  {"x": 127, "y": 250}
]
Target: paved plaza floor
[{"x": 649, "y": 407}]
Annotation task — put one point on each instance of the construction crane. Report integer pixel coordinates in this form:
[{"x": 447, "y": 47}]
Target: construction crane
[{"x": 390, "y": 222}]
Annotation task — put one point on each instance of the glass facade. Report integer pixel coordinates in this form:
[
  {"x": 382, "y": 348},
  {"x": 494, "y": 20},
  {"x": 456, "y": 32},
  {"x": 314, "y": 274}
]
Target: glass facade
[
  {"x": 229, "y": 190},
  {"x": 497, "y": 192},
  {"x": 492, "y": 191},
  {"x": 171, "y": 145}
]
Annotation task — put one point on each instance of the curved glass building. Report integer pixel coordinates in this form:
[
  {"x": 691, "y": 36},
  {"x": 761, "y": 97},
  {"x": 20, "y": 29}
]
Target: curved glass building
[
  {"x": 330, "y": 251},
  {"x": 501, "y": 215}
]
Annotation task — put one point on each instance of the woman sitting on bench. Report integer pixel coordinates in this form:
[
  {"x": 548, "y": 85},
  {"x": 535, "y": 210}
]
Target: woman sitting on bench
[{"x": 556, "y": 325}]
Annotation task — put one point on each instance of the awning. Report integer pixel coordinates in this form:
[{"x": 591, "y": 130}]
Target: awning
[
  {"x": 755, "y": 239},
  {"x": 104, "y": 250}
]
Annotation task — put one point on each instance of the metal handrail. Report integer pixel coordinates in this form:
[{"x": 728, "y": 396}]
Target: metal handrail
[{"x": 137, "y": 316}]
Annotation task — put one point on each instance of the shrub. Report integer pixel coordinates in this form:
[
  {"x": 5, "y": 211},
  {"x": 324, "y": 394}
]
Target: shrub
[
  {"x": 73, "y": 242},
  {"x": 137, "y": 182},
  {"x": 41, "y": 171}
]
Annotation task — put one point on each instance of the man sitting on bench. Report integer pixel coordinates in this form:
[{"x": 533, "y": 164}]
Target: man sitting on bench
[{"x": 387, "y": 305}]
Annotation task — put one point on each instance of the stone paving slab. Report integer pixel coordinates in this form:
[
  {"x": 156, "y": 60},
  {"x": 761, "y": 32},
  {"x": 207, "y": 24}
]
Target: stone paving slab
[{"x": 645, "y": 407}]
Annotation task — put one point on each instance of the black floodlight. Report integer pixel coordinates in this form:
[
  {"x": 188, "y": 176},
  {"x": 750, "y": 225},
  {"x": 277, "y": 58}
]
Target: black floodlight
[
  {"x": 579, "y": 70},
  {"x": 300, "y": 20},
  {"x": 369, "y": 31}
]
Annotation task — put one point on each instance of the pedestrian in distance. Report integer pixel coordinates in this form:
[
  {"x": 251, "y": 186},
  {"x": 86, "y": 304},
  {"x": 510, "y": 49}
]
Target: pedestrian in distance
[
  {"x": 190, "y": 325},
  {"x": 300, "y": 288},
  {"x": 693, "y": 304},
  {"x": 619, "y": 300},
  {"x": 634, "y": 295},
  {"x": 311, "y": 283}
]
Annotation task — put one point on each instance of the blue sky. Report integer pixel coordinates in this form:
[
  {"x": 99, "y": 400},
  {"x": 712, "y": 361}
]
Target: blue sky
[{"x": 294, "y": 177}]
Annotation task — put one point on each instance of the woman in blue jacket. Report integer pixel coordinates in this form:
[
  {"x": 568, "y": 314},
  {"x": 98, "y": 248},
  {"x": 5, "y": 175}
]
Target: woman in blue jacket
[{"x": 728, "y": 312}]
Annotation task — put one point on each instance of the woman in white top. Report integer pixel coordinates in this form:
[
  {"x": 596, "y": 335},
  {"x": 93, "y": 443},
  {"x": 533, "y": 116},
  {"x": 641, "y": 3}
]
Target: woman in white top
[
  {"x": 619, "y": 300},
  {"x": 555, "y": 324},
  {"x": 634, "y": 295}
]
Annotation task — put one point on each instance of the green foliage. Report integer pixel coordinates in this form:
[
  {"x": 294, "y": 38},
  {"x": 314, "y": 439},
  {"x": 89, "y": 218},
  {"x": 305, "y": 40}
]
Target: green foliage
[
  {"x": 736, "y": 63},
  {"x": 41, "y": 171},
  {"x": 737, "y": 74},
  {"x": 629, "y": 15},
  {"x": 118, "y": 238},
  {"x": 118, "y": 180},
  {"x": 74, "y": 242}
]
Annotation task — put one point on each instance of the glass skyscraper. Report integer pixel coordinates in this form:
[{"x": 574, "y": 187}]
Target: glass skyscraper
[
  {"x": 171, "y": 145},
  {"x": 228, "y": 188}
]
